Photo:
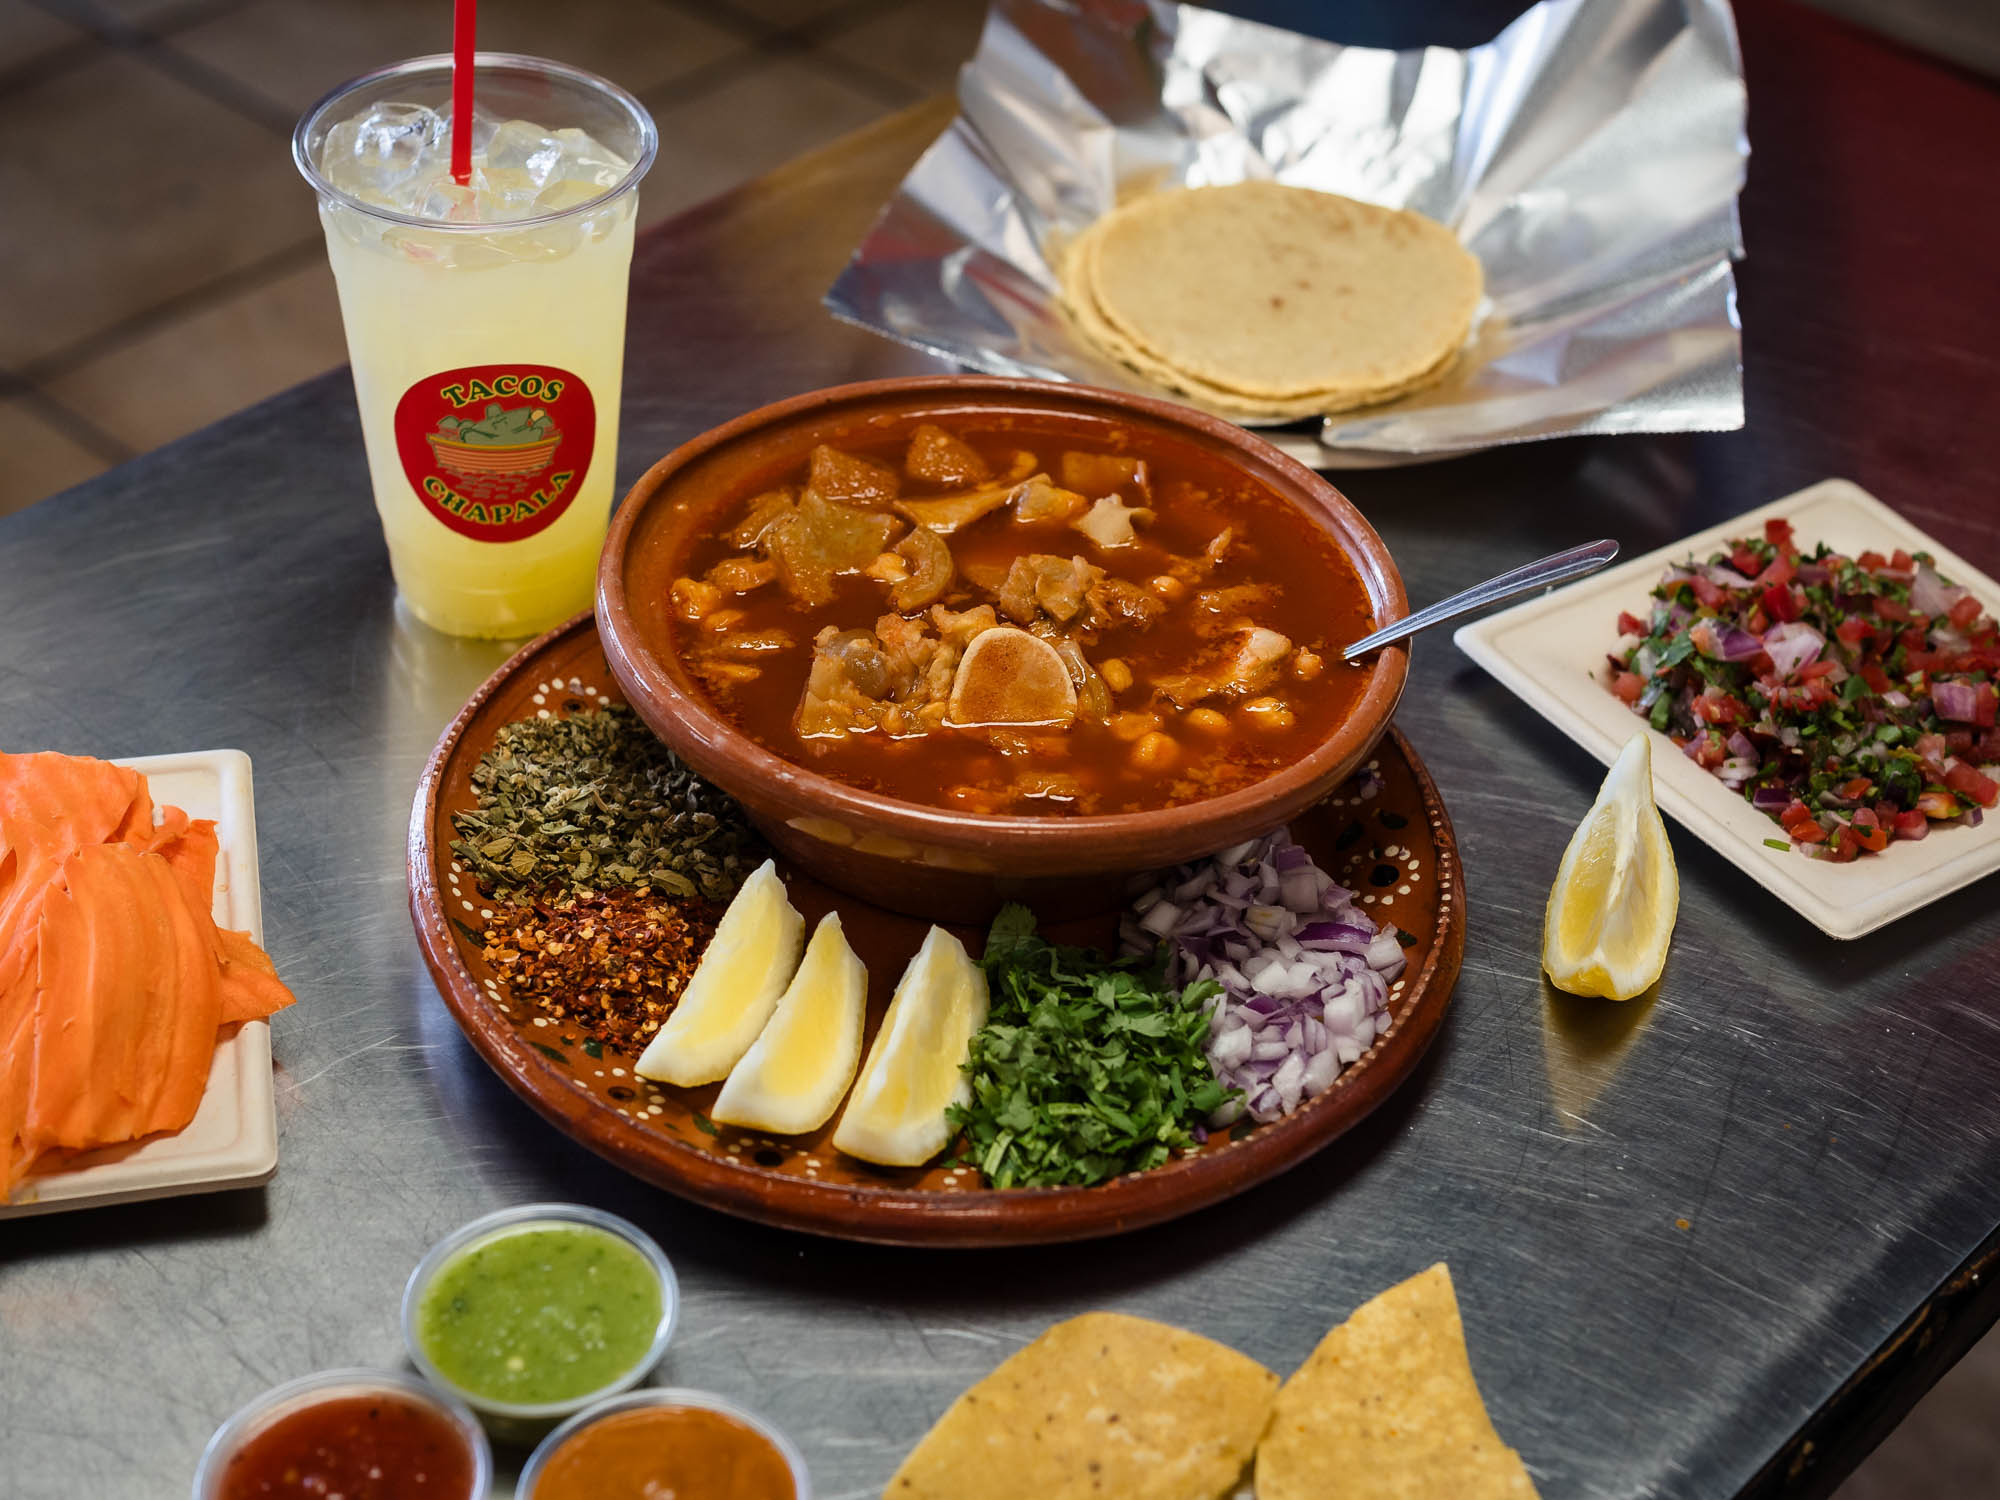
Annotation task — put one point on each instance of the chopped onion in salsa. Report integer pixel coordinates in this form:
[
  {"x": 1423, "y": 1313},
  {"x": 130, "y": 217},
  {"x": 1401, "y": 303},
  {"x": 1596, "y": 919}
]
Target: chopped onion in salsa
[{"x": 1852, "y": 699}]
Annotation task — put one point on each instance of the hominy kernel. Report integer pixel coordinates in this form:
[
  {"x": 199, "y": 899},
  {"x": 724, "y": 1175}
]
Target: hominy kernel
[
  {"x": 1168, "y": 588},
  {"x": 1156, "y": 752},
  {"x": 1130, "y": 726},
  {"x": 1117, "y": 676},
  {"x": 1306, "y": 665},
  {"x": 1269, "y": 714},
  {"x": 1207, "y": 720}
]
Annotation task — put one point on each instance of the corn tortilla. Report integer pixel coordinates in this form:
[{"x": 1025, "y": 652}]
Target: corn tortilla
[
  {"x": 1386, "y": 1409},
  {"x": 1100, "y": 1406},
  {"x": 1274, "y": 297}
]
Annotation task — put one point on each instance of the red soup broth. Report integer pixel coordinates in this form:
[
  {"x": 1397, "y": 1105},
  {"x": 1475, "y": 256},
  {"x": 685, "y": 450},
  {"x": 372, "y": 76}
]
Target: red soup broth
[
  {"x": 376, "y": 1446},
  {"x": 1282, "y": 571}
]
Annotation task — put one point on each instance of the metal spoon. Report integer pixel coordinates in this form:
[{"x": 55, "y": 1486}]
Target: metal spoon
[{"x": 1560, "y": 568}]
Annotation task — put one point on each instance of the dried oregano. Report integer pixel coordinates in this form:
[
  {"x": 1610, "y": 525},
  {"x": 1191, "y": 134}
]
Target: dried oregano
[{"x": 594, "y": 802}]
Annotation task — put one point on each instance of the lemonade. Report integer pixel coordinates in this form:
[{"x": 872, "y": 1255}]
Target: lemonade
[{"x": 486, "y": 326}]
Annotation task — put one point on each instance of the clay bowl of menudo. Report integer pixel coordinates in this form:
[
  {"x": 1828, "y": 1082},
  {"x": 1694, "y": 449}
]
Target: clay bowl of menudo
[{"x": 959, "y": 640}]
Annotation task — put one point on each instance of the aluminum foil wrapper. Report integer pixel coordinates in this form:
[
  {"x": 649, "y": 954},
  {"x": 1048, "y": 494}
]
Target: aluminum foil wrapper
[{"x": 1590, "y": 156}]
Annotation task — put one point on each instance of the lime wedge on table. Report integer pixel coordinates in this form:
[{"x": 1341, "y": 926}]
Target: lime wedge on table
[
  {"x": 896, "y": 1114},
  {"x": 1611, "y": 913},
  {"x": 792, "y": 1078},
  {"x": 735, "y": 988}
]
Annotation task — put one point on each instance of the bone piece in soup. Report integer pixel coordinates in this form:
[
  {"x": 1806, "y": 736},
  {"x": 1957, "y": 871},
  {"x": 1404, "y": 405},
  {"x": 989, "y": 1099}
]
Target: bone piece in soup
[{"x": 1008, "y": 676}]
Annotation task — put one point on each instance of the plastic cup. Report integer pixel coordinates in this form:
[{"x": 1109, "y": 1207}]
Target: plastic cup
[
  {"x": 295, "y": 1395},
  {"x": 663, "y": 1396},
  {"x": 519, "y": 1422},
  {"x": 514, "y": 329}
]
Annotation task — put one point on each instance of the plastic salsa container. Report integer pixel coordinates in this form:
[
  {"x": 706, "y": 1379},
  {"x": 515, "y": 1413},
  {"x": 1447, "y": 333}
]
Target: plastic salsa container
[
  {"x": 663, "y": 1441},
  {"x": 532, "y": 1313},
  {"x": 363, "y": 1434}
]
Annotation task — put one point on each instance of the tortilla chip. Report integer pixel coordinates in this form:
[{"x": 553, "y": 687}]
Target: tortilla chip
[
  {"x": 1386, "y": 1409},
  {"x": 1101, "y": 1406}
]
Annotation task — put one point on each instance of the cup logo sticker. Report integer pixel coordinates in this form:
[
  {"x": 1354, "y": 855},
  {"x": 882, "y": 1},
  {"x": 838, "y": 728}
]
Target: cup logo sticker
[{"x": 497, "y": 452}]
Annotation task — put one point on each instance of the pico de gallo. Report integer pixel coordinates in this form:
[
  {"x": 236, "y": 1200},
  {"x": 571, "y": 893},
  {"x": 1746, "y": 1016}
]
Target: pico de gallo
[{"x": 1851, "y": 698}]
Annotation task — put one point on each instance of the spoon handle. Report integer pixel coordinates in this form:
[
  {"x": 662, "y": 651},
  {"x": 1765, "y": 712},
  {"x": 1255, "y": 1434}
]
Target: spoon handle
[{"x": 1560, "y": 568}]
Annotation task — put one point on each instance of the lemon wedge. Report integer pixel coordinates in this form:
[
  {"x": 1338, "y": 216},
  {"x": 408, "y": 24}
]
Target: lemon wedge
[
  {"x": 792, "y": 1078},
  {"x": 896, "y": 1115},
  {"x": 1611, "y": 913},
  {"x": 735, "y": 987}
]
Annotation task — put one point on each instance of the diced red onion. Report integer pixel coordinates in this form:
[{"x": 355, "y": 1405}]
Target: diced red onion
[
  {"x": 1736, "y": 644},
  {"x": 1930, "y": 594},
  {"x": 1958, "y": 701},
  {"x": 1792, "y": 645},
  {"x": 1304, "y": 973}
]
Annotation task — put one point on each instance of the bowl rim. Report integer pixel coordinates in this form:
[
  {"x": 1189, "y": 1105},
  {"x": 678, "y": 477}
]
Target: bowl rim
[
  {"x": 669, "y": 1396},
  {"x": 262, "y": 1411},
  {"x": 513, "y": 1220},
  {"x": 695, "y": 724}
]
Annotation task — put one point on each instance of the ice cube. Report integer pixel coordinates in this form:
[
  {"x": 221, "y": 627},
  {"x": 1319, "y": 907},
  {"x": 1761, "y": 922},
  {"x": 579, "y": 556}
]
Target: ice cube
[
  {"x": 584, "y": 160},
  {"x": 519, "y": 146},
  {"x": 378, "y": 152}
]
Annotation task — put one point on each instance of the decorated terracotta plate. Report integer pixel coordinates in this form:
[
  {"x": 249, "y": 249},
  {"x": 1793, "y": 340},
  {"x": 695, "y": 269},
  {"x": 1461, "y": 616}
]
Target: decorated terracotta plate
[{"x": 1389, "y": 839}]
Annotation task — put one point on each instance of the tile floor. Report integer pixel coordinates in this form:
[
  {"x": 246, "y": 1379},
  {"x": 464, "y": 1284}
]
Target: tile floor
[{"x": 195, "y": 235}]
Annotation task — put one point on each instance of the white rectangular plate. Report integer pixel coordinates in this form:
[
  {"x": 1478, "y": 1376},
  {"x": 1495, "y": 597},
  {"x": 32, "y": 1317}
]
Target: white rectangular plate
[
  {"x": 1550, "y": 651},
  {"x": 233, "y": 1139}
]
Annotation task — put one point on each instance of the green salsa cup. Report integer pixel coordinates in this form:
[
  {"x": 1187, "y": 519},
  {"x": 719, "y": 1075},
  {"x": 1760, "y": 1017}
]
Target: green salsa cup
[{"x": 530, "y": 1314}]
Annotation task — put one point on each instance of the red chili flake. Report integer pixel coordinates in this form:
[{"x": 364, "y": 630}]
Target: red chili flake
[{"x": 611, "y": 964}]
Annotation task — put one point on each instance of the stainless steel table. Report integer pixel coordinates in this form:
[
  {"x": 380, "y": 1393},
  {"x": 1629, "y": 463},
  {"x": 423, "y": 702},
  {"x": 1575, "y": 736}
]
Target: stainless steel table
[{"x": 1705, "y": 1244}]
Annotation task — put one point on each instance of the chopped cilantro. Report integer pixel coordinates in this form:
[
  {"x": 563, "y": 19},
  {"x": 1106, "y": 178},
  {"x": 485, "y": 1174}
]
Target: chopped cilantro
[{"x": 1086, "y": 1068}]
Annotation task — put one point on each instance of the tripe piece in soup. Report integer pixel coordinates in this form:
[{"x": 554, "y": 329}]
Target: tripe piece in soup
[
  {"x": 544, "y": 1313},
  {"x": 1171, "y": 624}
]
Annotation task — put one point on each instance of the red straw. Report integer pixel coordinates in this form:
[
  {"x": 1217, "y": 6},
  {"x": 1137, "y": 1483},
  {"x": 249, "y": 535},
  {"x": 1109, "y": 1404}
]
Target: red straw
[{"x": 464, "y": 25}]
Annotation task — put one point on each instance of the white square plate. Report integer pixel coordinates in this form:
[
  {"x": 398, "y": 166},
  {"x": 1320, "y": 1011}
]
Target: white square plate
[
  {"x": 233, "y": 1139},
  {"x": 1550, "y": 651}
]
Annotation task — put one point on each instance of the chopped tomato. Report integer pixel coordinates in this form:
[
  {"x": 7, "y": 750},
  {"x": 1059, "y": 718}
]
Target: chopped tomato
[
  {"x": 1780, "y": 603},
  {"x": 1795, "y": 814},
  {"x": 1814, "y": 669},
  {"x": 1860, "y": 786},
  {"x": 1986, "y": 706},
  {"x": 1892, "y": 609},
  {"x": 1958, "y": 741},
  {"x": 1970, "y": 784},
  {"x": 1782, "y": 570},
  {"x": 1874, "y": 676},
  {"x": 1778, "y": 532},
  {"x": 1630, "y": 624},
  {"x": 1871, "y": 561},
  {"x": 1902, "y": 562},
  {"x": 1708, "y": 595},
  {"x": 1843, "y": 846},
  {"x": 1746, "y": 562},
  {"x": 1964, "y": 612},
  {"x": 1871, "y": 838},
  {"x": 1628, "y": 686},
  {"x": 1912, "y": 825},
  {"x": 1854, "y": 630}
]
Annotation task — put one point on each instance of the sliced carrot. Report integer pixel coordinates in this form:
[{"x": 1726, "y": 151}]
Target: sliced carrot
[
  {"x": 251, "y": 988},
  {"x": 127, "y": 1004}
]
